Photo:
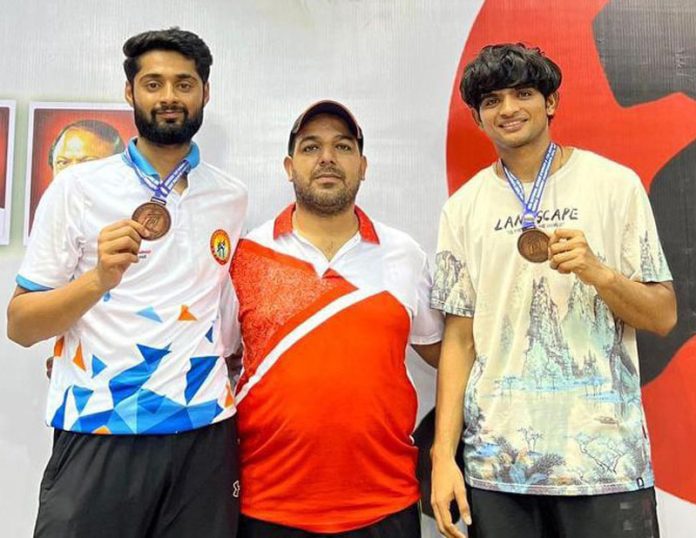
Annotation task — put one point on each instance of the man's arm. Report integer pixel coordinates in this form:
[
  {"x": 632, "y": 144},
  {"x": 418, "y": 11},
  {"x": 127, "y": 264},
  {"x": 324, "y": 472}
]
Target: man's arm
[
  {"x": 456, "y": 360},
  {"x": 430, "y": 353},
  {"x": 36, "y": 316},
  {"x": 645, "y": 306}
]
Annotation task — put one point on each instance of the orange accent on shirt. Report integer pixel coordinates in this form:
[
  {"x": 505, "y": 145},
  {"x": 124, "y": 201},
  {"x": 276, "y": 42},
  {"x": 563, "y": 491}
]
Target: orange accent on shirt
[
  {"x": 229, "y": 399},
  {"x": 102, "y": 430},
  {"x": 186, "y": 315},
  {"x": 58, "y": 347},
  {"x": 78, "y": 360}
]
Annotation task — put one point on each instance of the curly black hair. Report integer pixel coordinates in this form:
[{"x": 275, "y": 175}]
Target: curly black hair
[{"x": 508, "y": 65}]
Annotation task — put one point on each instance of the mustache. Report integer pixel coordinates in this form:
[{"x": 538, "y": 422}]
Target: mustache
[
  {"x": 171, "y": 108},
  {"x": 328, "y": 171}
]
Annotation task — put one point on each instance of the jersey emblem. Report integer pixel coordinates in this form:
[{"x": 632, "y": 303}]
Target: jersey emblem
[{"x": 220, "y": 246}]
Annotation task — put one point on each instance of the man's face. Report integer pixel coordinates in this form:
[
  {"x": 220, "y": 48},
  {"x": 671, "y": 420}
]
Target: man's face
[
  {"x": 326, "y": 166},
  {"x": 79, "y": 146},
  {"x": 515, "y": 117},
  {"x": 167, "y": 96}
]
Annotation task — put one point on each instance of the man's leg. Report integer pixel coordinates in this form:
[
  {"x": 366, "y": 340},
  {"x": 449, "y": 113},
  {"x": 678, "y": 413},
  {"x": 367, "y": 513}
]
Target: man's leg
[
  {"x": 616, "y": 515},
  {"x": 101, "y": 485},
  {"x": 202, "y": 497},
  {"x": 505, "y": 515}
]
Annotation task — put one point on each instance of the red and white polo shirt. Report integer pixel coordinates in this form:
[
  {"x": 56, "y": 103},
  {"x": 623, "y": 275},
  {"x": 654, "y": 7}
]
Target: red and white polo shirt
[{"x": 326, "y": 406}]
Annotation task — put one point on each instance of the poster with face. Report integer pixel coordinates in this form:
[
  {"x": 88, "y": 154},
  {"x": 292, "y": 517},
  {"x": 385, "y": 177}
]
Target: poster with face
[
  {"x": 64, "y": 134},
  {"x": 7, "y": 125}
]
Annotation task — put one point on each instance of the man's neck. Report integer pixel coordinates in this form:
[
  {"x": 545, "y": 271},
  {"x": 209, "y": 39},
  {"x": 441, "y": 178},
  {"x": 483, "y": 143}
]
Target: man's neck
[
  {"x": 162, "y": 158},
  {"x": 525, "y": 161},
  {"x": 327, "y": 233}
]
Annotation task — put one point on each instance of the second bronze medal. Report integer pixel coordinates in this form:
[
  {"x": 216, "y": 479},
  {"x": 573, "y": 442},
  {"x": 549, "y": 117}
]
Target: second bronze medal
[{"x": 533, "y": 245}]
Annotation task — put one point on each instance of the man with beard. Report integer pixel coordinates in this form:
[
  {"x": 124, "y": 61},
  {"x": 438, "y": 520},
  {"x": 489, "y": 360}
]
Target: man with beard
[
  {"x": 126, "y": 266},
  {"x": 328, "y": 302}
]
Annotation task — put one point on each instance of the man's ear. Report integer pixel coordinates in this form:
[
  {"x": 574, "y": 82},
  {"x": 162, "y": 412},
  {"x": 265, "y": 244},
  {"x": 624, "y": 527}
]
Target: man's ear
[
  {"x": 552, "y": 104},
  {"x": 287, "y": 164},
  {"x": 476, "y": 116},
  {"x": 363, "y": 167},
  {"x": 206, "y": 93},
  {"x": 128, "y": 93}
]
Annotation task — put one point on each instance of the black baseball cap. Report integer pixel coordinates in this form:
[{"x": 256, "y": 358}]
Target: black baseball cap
[{"x": 326, "y": 107}]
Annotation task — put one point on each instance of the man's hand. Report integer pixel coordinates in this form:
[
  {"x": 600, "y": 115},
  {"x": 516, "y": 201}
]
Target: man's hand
[
  {"x": 118, "y": 245},
  {"x": 36, "y": 316},
  {"x": 569, "y": 252},
  {"x": 448, "y": 485}
]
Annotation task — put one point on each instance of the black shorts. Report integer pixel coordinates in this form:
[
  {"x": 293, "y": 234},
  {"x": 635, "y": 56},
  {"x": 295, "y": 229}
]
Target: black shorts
[
  {"x": 404, "y": 524},
  {"x": 141, "y": 486},
  {"x": 617, "y": 515}
]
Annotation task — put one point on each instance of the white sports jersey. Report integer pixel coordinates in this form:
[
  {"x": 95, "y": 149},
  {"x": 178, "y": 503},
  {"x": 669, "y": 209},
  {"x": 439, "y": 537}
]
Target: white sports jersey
[{"x": 147, "y": 357}]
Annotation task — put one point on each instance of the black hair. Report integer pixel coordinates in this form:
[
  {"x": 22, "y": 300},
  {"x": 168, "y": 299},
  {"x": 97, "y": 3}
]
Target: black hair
[
  {"x": 508, "y": 65},
  {"x": 185, "y": 43},
  {"x": 100, "y": 128}
]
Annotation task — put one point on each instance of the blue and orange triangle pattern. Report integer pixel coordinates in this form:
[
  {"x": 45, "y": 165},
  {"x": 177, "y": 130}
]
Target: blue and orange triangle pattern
[{"x": 138, "y": 410}]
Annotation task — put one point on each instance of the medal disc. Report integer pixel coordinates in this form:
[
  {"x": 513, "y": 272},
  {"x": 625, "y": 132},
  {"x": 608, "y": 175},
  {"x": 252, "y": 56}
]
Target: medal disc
[
  {"x": 533, "y": 245},
  {"x": 154, "y": 217}
]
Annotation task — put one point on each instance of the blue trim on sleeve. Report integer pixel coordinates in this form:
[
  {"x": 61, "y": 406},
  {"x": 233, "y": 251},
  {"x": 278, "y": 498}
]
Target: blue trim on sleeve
[{"x": 29, "y": 285}]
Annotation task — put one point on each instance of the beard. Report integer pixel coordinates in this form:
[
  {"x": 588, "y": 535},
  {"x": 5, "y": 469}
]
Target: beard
[
  {"x": 325, "y": 202},
  {"x": 165, "y": 133}
]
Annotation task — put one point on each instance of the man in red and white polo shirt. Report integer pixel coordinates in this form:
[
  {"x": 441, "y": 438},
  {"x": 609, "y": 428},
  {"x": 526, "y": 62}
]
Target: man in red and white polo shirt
[{"x": 328, "y": 302}]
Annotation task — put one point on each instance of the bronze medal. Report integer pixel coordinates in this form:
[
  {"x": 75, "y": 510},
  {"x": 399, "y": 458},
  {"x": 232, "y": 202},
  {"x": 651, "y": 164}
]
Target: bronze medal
[
  {"x": 533, "y": 245},
  {"x": 155, "y": 217}
]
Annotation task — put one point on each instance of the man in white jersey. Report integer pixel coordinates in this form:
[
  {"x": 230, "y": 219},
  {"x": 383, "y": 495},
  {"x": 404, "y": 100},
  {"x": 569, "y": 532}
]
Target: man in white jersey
[
  {"x": 548, "y": 262},
  {"x": 127, "y": 267}
]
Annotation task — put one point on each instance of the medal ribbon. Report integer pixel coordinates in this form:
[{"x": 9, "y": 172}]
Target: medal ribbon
[
  {"x": 161, "y": 189},
  {"x": 531, "y": 206}
]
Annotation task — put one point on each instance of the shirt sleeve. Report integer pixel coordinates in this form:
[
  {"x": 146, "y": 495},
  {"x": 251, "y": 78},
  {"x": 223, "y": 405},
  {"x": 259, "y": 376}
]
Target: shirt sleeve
[
  {"x": 642, "y": 258},
  {"x": 452, "y": 292},
  {"x": 57, "y": 239},
  {"x": 427, "y": 324}
]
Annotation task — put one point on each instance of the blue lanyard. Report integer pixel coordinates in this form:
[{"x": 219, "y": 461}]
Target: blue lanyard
[
  {"x": 531, "y": 206},
  {"x": 161, "y": 189}
]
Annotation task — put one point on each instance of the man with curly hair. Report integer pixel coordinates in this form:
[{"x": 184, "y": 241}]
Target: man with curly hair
[{"x": 548, "y": 262}]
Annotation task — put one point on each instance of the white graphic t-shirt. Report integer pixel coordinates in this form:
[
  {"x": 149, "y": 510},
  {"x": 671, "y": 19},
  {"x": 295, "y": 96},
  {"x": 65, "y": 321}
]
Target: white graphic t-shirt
[{"x": 553, "y": 404}]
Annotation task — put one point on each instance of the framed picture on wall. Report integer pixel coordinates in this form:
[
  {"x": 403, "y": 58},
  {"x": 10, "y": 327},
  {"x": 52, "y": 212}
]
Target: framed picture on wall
[
  {"x": 7, "y": 129},
  {"x": 64, "y": 134}
]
